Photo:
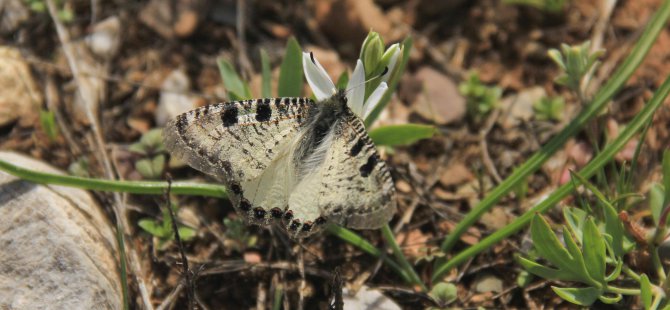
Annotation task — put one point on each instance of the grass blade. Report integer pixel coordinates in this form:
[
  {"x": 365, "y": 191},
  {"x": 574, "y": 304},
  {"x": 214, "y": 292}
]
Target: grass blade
[
  {"x": 266, "y": 75},
  {"x": 290, "y": 72},
  {"x": 237, "y": 89},
  {"x": 397, "y": 135}
]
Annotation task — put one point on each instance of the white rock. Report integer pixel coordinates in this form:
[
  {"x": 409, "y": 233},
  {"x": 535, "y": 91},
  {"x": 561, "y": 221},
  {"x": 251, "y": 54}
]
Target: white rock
[
  {"x": 58, "y": 249},
  {"x": 367, "y": 299},
  {"x": 173, "y": 100}
]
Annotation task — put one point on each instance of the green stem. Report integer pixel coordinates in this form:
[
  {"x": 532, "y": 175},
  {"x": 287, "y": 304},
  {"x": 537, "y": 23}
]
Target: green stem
[
  {"x": 601, "y": 99},
  {"x": 630, "y": 273},
  {"x": 134, "y": 187},
  {"x": 397, "y": 252},
  {"x": 644, "y": 116},
  {"x": 656, "y": 261},
  {"x": 656, "y": 301},
  {"x": 622, "y": 291}
]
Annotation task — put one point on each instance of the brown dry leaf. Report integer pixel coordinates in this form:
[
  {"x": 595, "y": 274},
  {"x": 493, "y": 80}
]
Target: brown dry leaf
[
  {"x": 456, "y": 174},
  {"x": 413, "y": 242},
  {"x": 252, "y": 257},
  {"x": 495, "y": 219}
]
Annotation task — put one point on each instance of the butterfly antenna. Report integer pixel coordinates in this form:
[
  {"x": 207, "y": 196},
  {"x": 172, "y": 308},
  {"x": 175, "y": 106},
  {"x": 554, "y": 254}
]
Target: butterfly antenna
[{"x": 386, "y": 70}]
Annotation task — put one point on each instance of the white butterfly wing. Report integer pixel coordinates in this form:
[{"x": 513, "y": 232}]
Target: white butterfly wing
[
  {"x": 348, "y": 183},
  {"x": 246, "y": 145}
]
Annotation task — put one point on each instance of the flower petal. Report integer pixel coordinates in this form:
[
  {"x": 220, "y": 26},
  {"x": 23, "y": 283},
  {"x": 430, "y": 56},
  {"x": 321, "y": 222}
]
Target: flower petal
[
  {"x": 356, "y": 89},
  {"x": 317, "y": 78},
  {"x": 374, "y": 99},
  {"x": 392, "y": 62}
]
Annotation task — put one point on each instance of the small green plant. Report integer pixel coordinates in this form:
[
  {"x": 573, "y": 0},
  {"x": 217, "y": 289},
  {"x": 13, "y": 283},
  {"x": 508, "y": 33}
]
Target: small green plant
[
  {"x": 152, "y": 164},
  {"x": 595, "y": 243},
  {"x": 65, "y": 14},
  {"x": 575, "y": 61},
  {"x": 480, "y": 99},
  {"x": 238, "y": 235},
  {"x": 162, "y": 228},
  {"x": 553, "y": 6},
  {"x": 443, "y": 293},
  {"x": 549, "y": 108},
  {"x": 48, "y": 123}
]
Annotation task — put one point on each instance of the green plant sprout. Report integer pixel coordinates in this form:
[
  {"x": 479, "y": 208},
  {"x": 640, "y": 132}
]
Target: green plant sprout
[
  {"x": 151, "y": 166},
  {"x": 480, "y": 99},
  {"x": 48, "y": 124},
  {"x": 162, "y": 228},
  {"x": 65, "y": 14},
  {"x": 549, "y": 108},
  {"x": 575, "y": 62}
]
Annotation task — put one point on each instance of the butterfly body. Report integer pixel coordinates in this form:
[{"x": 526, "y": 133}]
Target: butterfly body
[{"x": 289, "y": 160}]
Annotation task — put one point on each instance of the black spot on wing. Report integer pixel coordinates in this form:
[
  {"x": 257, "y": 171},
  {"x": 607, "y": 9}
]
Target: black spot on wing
[
  {"x": 276, "y": 213},
  {"x": 357, "y": 147},
  {"x": 366, "y": 169},
  {"x": 245, "y": 205},
  {"x": 259, "y": 213},
  {"x": 229, "y": 116},
  {"x": 263, "y": 112}
]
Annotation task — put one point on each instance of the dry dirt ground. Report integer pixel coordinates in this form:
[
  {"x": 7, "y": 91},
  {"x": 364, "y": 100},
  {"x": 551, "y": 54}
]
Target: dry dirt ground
[{"x": 438, "y": 179}]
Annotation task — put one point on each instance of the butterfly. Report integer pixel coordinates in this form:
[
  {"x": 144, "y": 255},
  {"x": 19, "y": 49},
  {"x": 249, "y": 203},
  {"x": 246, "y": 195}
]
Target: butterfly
[{"x": 289, "y": 160}]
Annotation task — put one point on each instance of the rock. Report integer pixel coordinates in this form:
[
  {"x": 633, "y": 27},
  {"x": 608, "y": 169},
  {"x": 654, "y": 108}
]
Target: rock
[
  {"x": 58, "y": 249},
  {"x": 20, "y": 99},
  {"x": 488, "y": 283},
  {"x": 348, "y": 21},
  {"x": 367, "y": 299},
  {"x": 439, "y": 100},
  {"x": 519, "y": 108},
  {"x": 173, "y": 100},
  {"x": 105, "y": 39}
]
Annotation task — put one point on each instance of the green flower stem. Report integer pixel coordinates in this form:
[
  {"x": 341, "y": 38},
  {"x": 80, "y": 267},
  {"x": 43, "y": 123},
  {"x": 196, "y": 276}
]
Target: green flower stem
[
  {"x": 357, "y": 241},
  {"x": 606, "y": 93},
  {"x": 656, "y": 261},
  {"x": 630, "y": 273},
  {"x": 134, "y": 187},
  {"x": 622, "y": 291},
  {"x": 638, "y": 123},
  {"x": 400, "y": 257}
]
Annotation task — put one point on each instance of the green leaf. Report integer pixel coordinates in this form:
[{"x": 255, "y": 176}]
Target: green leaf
[
  {"x": 145, "y": 168},
  {"x": 48, "y": 123},
  {"x": 577, "y": 265},
  {"x": 290, "y": 72},
  {"x": 157, "y": 165},
  {"x": 666, "y": 176},
  {"x": 545, "y": 272},
  {"x": 594, "y": 251},
  {"x": 186, "y": 233},
  {"x": 614, "y": 228},
  {"x": 547, "y": 244},
  {"x": 396, "y": 135},
  {"x": 444, "y": 293},
  {"x": 656, "y": 202},
  {"x": 152, "y": 227},
  {"x": 579, "y": 296},
  {"x": 237, "y": 89},
  {"x": 575, "y": 219},
  {"x": 266, "y": 75},
  {"x": 392, "y": 83},
  {"x": 645, "y": 291},
  {"x": 342, "y": 80}
]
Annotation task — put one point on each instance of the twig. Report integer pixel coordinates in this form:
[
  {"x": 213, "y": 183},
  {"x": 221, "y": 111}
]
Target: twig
[
  {"x": 303, "y": 282},
  {"x": 184, "y": 260},
  {"x": 170, "y": 299},
  {"x": 486, "y": 158},
  {"x": 606, "y": 9}
]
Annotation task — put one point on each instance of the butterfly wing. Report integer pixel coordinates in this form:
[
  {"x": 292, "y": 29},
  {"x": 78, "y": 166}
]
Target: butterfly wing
[
  {"x": 347, "y": 182},
  {"x": 245, "y": 144}
]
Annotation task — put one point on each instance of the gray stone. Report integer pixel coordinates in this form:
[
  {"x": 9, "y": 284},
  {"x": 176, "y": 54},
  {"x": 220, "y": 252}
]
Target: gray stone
[{"x": 57, "y": 249}]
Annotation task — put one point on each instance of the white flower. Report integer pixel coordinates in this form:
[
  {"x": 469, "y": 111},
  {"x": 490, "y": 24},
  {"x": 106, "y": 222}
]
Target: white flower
[{"x": 324, "y": 88}]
